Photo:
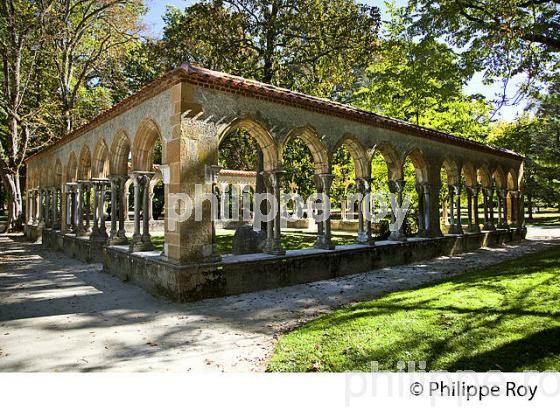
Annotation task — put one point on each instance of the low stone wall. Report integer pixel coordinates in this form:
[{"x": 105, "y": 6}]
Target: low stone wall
[{"x": 249, "y": 273}]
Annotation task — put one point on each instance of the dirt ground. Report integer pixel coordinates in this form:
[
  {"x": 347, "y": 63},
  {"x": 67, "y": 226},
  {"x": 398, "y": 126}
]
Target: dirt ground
[{"x": 57, "y": 314}]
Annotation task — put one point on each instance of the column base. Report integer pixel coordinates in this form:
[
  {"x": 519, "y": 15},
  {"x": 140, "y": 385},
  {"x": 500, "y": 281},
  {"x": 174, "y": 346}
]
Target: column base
[
  {"x": 274, "y": 249},
  {"x": 324, "y": 243},
  {"x": 141, "y": 247},
  {"x": 455, "y": 230},
  {"x": 364, "y": 238},
  {"x": 503, "y": 225},
  {"x": 488, "y": 226},
  {"x": 397, "y": 236},
  {"x": 473, "y": 229},
  {"x": 118, "y": 240}
]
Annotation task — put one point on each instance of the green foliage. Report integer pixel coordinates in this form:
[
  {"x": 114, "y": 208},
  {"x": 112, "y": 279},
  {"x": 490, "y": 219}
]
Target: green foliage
[
  {"x": 505, "y": 318},
  {"x": 501, "y": 38},
  {"x": 344, "y": 176},
  {"x": 300, "y": 168},
  {"x": 309, "y": 45},
  {"x": 238, "y": 150},
  {"x": 421, "y": 81}
]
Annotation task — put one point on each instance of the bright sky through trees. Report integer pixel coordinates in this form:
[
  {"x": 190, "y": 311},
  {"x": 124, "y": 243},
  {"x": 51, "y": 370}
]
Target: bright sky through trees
[{"x": 154, "y": 23}]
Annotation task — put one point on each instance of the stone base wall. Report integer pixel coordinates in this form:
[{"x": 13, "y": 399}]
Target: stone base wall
[{"x": 249, "y": 273}]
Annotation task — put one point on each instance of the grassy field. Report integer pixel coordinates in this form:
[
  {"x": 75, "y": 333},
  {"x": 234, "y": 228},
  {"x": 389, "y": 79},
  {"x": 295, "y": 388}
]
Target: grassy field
[
  {"x": 503, "y": 318},
  {"x": 290, "y": 240}
]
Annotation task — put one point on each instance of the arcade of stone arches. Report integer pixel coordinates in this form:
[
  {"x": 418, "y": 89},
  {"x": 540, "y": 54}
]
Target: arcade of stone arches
[{"x": 105, "y": 179}]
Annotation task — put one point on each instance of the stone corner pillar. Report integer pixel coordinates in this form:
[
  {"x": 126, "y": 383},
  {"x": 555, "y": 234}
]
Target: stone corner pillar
[{"x": 189, "y": 154}]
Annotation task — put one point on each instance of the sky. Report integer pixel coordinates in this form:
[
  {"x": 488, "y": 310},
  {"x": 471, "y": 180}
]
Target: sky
[{"x": 154, "y": 22}]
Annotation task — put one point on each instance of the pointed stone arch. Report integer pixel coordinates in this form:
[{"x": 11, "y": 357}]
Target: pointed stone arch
[
  {"x": 84, "y": 164},
  {"x": 512, "y": 180},
  {"x": 313, "y": 142},
  {"x": 101, "y": 160},
  {"x": 391, "y": 157},
  {"x": 58, "y": 173},
  {"x": 484, "y": 177},
  {"x": 147, "y": 135},
  {"x": 452, "y": 171},
  {"x": 358, "y": 153},
  {"x": 259, "y": 133},
  {"x": 469, "y": 172},
  {"x": 499, "y": 178},
  {"x": 72, "y": 169},
  {"x": 418, "y": 159},
  {"x": 120, "y": 154}
]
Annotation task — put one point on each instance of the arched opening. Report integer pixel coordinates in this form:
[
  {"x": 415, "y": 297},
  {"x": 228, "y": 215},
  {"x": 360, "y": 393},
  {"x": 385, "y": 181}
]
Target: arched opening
[
  {"x": 84, "y": 166},
  {"x": 121, "y": 163},
  {"x": 147, "y": 150},
  {"x": 385, "y": 167},
  {"x": 415, "y": 175},
  {"x": 101, "y": 163},
  {"x": 351, "y": 170},
  {"x": 246, "y": 150},
  {"x": 72, "y": 169},
  {"x": 305, "y": 161},
  {"x": 450, "y": 198}
]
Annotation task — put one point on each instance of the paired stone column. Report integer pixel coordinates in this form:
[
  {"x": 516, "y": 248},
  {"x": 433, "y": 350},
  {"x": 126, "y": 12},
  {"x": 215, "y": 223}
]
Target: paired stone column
[
  {"x": 323, "y": 183},
  {"x": 364, "y": 222},
  {"x": 397, "y": 188},
  {"x": 426, "y": 201},
  {"x": 455, "y": 226},
  {"x": 472, "y": 208},
  {"x": 41, "y": 217},
  {"x": 488, "y": 209},
  {"x": 272, "y": 180},
  {"x": 99, "y": 231},
  {"x": 502, "y": 209},
  {"x": 72, "y": 206},
  {"x": 141, "y": 240},
  {"x": 422, "y": 233},
  {"x": 118, "y": 210}
]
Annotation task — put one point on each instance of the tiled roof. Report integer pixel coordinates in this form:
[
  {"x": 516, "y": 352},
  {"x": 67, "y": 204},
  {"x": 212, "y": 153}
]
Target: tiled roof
[{"x": 231, "y": 83}]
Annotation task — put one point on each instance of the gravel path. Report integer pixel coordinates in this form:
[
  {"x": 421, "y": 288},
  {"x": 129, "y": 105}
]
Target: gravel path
[{"x": 57, "y": 314}]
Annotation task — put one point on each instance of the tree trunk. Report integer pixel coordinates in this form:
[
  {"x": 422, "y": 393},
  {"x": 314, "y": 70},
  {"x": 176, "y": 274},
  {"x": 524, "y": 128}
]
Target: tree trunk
[{"x": 15, "y": 202}]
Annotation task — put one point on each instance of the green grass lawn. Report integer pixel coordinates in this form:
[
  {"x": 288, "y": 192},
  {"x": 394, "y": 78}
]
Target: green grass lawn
[
  {"x": 503, "y": 318},
  {"x": 290, "y": 240}
]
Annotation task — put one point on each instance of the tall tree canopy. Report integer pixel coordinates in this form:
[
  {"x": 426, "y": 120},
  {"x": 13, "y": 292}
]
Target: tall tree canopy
[
  {"x": 421, "y": 80},
  {"x": 503, "y": 38},
  {"x": 315, "y": 46}
]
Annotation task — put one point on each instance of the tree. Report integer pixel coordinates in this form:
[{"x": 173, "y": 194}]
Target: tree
[
  {"x": 503, "y": 38},
  {"x": 89, "y": 37},
  {"x": 421, "y": 80},
  {"x": 314, "y": 46},
  {"x": 21, "y": 43}
]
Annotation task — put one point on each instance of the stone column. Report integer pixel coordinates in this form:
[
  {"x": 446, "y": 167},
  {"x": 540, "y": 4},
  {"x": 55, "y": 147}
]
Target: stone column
[
  {"x": 87, "y": 208},
  {"x": 80, "y": 228},
  {"x": 114, "y": 205},
  {"x": 324, "y": 237},
  {"x": 450, "y": 194},
  {"x": 274, "y": 235},
  {"x": 119, "y": 209},
  {"x": 421, "y": 221},
  {"x": 104, "y": 184},
  {"x": 146, "y": 212},
  {"x": 54, "y": 205},
  {"x": 476, "y": 191},
  {"x": 514, "y": 210},
  {"x": 364, "y": 223},
  {"x": 397, "y": 187},
  {"x": 136, "y": 243},
  {"x": 95, "y": 227},
  {"x": 41, "y": 219},
  {"x": 503, "y": 194},
  {"x": 472, "y": 209},
  {"x": 47, "y": 210},
  {"x": 455, "y": 227},
  {"x": 427, "y": 189},
  {"x": 488, "y": 209}
]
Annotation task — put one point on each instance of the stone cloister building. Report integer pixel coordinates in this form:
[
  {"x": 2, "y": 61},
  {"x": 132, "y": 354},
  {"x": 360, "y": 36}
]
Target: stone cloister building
[{"x": 189, "y": 111}]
